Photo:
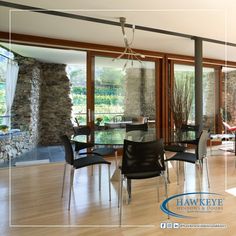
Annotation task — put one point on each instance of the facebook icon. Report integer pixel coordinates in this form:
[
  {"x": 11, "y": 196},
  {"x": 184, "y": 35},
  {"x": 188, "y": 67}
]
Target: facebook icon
[{"x": 163, "y": 225}]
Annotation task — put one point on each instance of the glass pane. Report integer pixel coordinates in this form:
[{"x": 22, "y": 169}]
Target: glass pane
[
  {"x": 77, "y": 76},
  {"x": 210, "y": 97},
  {"x": 183, "y": 99},
  {"x": 185, "y": 91},
  {"x": 4, "y": 57},
  {"x": 228, "y": 111},
  {"x": 124, "y": 96}
]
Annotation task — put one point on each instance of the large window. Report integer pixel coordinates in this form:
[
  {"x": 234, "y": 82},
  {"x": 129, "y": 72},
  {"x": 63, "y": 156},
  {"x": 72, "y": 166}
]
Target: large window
[
  {"x": 184, "y": 78},
  {"x": 4, "y": 57},
  {"x": 119, "y": 94},
  {"x": 125, "y": 94},
  {"x": 228, "y": 110},
  {"x": 78, "y": 79}
]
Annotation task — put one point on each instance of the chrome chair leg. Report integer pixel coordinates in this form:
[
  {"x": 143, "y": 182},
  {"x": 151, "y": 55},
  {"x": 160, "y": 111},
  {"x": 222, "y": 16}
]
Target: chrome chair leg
[
  {"x": 166, "y": 190},
  {"x": 177, "y": 172},
  {"x": 184, "y": 170},
  {"x": 99, "y": 177},
  {"x": 116, "y": 157},
  {"x": 71, "y": 184},
  {"x": 167, "y": 169},
  {"x": 207, "y": 170},
  {"x": 199, "y": 176},
  {"x": 63, "y": 181},
  {"x": 201, "y": 166},
  {"x": 109, "y": 181},
  {"x": 158, "y": 192},
  {"x": 121, "y": 198},
  {"x": 118, "y": 205}
]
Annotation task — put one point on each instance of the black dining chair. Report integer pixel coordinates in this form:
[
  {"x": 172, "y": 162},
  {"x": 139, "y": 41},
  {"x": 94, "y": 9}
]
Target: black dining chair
[
  {"x": 186, "y": 132},
  {"x": 88, "y": 159},
  {"x": 194, "y": 158},
  {"x": 82, "y": 130},
  {"x": 141, "y": 160},
  {"x": 102, "y": 151},
  {"x": 132, "y": 127}
]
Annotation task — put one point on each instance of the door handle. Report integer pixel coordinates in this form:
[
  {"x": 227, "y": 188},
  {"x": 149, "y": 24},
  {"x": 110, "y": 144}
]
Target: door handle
[{"x": 89, "y": 115}]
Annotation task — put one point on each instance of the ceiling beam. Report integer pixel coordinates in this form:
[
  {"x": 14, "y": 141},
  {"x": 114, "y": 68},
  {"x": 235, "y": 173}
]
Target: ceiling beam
[{"x": 108, "y": 22}]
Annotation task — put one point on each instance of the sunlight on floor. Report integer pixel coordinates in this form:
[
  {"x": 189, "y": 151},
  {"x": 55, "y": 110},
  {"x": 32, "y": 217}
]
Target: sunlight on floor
[{"x": 231, "y": 191}]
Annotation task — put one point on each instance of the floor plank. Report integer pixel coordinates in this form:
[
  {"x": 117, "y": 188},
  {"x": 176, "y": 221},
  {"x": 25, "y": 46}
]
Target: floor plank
[{"x": 36, "y": 207}]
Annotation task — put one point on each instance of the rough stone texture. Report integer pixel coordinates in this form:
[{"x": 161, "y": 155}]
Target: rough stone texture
[
  {"x": 14, "y": 145},
  {"x": 140, "y": 100},
  {"x": 25, "y": 108},
  {"x": 229, "y": 92},
  {"x": 55, "y": 104},
  {"x": 42, "y": 103}
]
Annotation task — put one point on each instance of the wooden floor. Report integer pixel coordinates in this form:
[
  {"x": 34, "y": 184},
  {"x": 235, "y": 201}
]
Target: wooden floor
[{"x": 36, "y": 207}]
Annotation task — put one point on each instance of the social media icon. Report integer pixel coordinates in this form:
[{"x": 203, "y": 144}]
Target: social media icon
[
  {"x": 169, "y": 225},
  {"x": 175, "y": 225},
  {"x": 163, "y": 225}
]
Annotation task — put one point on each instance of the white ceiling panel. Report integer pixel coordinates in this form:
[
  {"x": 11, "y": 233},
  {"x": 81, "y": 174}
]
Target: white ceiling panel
[{"x": 210, "y": 19}]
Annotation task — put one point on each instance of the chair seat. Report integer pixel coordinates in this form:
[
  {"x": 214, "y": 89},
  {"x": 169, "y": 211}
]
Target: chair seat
[
  {"x": 104, "y": 151},
  {"x": 88, "y": 161},
  {"x": 143, "y": 175},
  {"x": 174, "y": 148},
  {"x": 183, "y": 156}
]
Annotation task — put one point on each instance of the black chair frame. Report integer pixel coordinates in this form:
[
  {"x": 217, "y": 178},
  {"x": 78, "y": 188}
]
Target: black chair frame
[
  {"x": 141, "y": 160},
  {"x": 194, "y": 158},
  {"x": 86, "y": 160}
]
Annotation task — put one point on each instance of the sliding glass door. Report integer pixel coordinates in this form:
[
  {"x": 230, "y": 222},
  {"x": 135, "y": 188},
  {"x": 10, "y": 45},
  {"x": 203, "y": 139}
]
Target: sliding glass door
[
  {"x": 228, "y": 111},
  {"x": 123, "y": 95},
  {"x": 185, "y": 88},
  {"x": 77, "y": 74},
  {"x": 107, "y": 95}
]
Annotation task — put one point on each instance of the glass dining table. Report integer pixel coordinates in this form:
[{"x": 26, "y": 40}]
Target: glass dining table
[{"x": 115, "y": 137}]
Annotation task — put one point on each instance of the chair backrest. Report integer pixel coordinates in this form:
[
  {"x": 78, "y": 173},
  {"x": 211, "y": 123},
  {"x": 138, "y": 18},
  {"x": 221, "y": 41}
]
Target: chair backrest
[
  {"x": 82, "y": 130},
  {"x": 131, "y": 127},
  {"x": 141, "y": 157},
  {"x": 77, "y": 122},
  {"x": 69, "y": 154},
  {"x": 185, "y": 128},
  {"x": 202, "y": 144}
]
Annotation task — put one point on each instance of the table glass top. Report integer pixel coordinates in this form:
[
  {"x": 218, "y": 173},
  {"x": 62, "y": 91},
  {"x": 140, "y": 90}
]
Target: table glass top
[{"x": 117, "y": 136}]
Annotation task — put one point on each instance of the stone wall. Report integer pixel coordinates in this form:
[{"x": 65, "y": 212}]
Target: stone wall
[
  {"x": 140, "y": 95},
  {"x": 13, "y": 145},
  {"x": 55, "y": 104},
  {"x": 25, "y": 108},
  {"x": 42, "y": 103}
]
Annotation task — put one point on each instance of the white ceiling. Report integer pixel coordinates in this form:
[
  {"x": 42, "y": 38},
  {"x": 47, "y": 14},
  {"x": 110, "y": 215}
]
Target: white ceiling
[{"x": 206, "y": 18}]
